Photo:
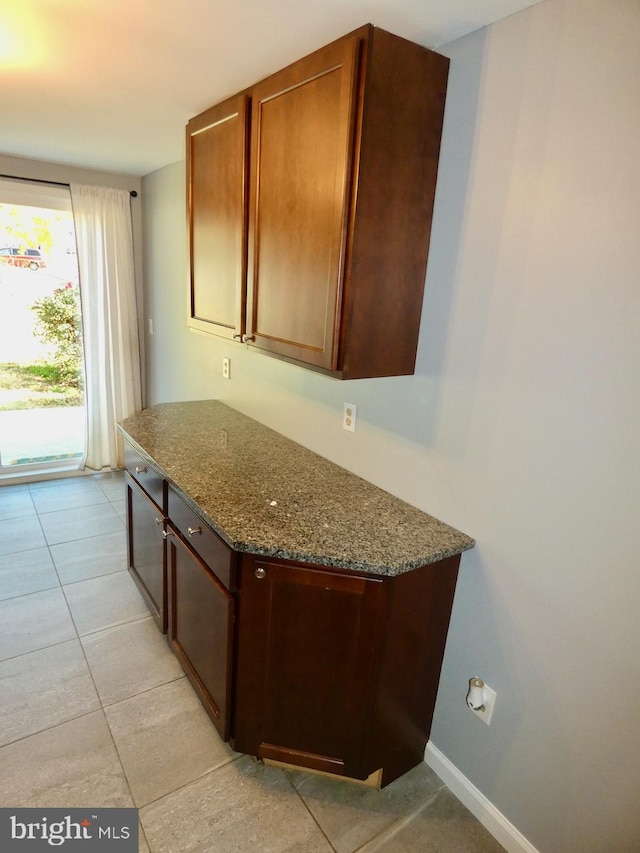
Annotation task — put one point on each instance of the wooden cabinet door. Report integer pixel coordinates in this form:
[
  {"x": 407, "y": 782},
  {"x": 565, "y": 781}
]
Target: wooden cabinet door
[
  {"x": 217, "y": 190},
  {"x": 301, "y": 155},
  {"x": 307, "y": 643},
  {"x": 146, "y": 553},
  {"x": 201, "y": 629}
]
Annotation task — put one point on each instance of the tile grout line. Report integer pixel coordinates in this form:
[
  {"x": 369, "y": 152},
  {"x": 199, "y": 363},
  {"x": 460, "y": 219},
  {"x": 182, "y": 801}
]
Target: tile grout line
[
  {"x": 52, "y": 727},
  {"x": 143, "y": 618},
  {"x": 232, "y": 759},
  {"x": 313, "y": 817},
  {"x": 40, "y": 648},
  {"x": 109, "y": 705},
  {"x": 93, "y": 577},
  {"x": 34, "y": 592},
  {"x": 397, "y": 826}
]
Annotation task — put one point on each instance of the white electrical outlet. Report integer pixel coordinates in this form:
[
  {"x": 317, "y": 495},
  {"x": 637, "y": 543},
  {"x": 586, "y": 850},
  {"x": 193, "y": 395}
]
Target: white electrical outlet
[
  {"x": 485, "y": 711},
  {"x": 150, "y": 325},
  {"x": 349, "y": 417},
  {"x": 226, "y": 368}
]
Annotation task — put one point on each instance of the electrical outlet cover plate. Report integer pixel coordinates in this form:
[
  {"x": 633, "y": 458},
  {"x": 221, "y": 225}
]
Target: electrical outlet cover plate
[
  {"x": 226, "y": 368},
  {"x": 349, "y": 417},
  {"x": 489, "y": 700}
]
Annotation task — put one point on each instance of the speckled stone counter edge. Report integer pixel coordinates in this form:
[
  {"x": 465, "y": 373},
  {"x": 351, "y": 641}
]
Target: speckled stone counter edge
[{"x": 442, "y": 541}]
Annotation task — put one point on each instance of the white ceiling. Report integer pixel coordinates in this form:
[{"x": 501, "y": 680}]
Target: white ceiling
[{"x": 110, "y": 84}]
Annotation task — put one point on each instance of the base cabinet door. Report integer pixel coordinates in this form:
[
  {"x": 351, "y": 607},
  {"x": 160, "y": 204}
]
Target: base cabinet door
[
  {"x": 201, "y": 615},
  {"x": 307, "y": 643},
  {"x": 146, "y": 553}
]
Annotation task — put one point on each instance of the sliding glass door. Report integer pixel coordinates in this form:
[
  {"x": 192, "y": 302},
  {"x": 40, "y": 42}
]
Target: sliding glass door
[{"x": 42, "y": 406}]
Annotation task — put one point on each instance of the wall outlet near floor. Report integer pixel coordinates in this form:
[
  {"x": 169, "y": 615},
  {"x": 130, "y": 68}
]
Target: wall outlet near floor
[
  {"x": 349, "y": 417},
  {"x": 485, "y": 712},
  {"x": 226, "y": 368}
]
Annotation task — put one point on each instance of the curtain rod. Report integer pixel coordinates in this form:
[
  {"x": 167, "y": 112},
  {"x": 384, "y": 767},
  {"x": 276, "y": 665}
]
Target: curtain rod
[{"x": 132, "y": 193}]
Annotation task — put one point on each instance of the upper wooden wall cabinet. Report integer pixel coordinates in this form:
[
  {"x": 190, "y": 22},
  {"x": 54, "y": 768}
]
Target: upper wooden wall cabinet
[{"x": 310, "y": 199}]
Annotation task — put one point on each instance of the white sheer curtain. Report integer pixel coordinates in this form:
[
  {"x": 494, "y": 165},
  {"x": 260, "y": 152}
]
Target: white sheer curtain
[{"x": 104, "y": 237}]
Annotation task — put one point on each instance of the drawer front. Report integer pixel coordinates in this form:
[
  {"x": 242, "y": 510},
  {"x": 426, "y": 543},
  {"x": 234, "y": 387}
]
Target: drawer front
[
  {"x": 207, "y": 544},
  {"x": 144, "y": 475}
]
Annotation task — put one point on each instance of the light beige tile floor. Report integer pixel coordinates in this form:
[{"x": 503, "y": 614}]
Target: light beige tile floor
[{"x": 95, "y": 710}]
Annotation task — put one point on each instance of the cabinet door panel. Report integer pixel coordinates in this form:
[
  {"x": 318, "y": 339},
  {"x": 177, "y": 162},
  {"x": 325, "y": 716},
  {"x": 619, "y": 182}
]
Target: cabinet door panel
[
  {"x": 201, "y": 630},
  {"x": 305, "y": 674},
  {"x": 146, "y": 553},
  {"x": 302, "y": 126},
  {"x": 216, "y": 181}
]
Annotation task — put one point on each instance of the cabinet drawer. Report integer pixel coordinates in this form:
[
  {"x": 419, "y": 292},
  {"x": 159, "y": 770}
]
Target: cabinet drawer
[
  {"x": 207, "y": 544},
  {"x": 144, "y": 475}
]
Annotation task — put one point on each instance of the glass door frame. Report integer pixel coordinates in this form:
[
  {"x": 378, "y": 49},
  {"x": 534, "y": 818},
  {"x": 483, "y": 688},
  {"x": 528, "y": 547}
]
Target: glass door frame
[{"x": 48, "y": 196}]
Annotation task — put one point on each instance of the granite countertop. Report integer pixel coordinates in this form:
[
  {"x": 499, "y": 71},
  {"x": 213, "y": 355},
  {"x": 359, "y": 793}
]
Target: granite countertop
[{"x": 265, "y": 494}]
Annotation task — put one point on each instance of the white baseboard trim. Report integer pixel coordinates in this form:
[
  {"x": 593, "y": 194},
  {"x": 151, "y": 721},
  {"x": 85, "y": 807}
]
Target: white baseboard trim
[{"x": 493, "y": 820}]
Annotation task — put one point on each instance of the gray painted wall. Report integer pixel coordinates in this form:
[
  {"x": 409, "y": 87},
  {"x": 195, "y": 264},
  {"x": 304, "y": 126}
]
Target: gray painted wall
[{"x": 520, "y": 426}]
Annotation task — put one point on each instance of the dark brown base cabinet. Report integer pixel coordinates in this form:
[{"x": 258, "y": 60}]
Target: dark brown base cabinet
[
  {"x": 306, "y": 651},
  {"x": 336, "y": 671},
  {"x": 306, "y": 665},
  {"x": 145, "y": 550}
]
